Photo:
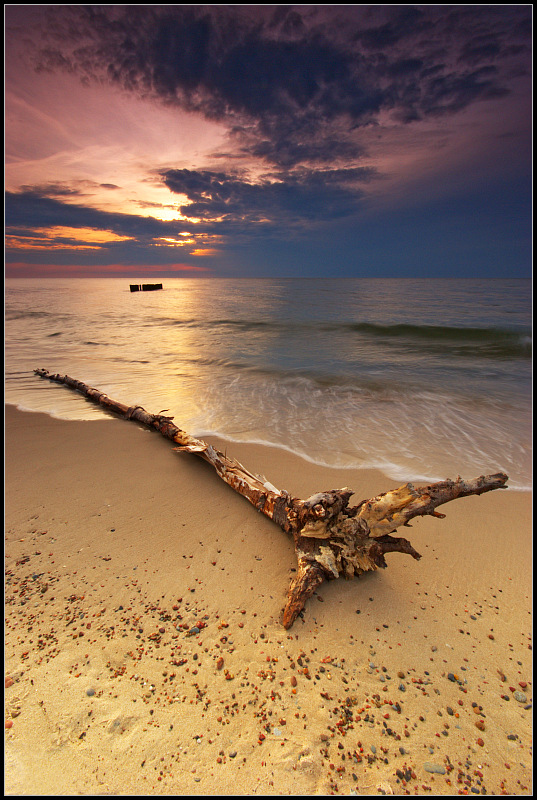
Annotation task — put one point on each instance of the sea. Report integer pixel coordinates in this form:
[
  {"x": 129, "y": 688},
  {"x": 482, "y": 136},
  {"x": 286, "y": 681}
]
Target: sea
[{"x": 423, "y": 379}]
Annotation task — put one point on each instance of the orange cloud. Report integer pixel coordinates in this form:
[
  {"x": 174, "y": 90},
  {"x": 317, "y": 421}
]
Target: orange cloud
[
  {"x": 84, "y": 234},
  {"x": 50, "y": 239},
  {"x": 177, "y": 242},
  {"x": 31, "y": 243},
  {"x": 204, "y": 251}
]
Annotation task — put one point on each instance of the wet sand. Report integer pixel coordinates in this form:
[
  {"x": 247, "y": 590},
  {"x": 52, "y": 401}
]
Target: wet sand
[{"x": 144, "y": 652}]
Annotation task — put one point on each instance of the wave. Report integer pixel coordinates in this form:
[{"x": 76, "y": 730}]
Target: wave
[
  {"x": 240, "y": 324},
  {"x": 485, "y": 342},
  {"x": 430, "y": 331},
  {"x": 14, "y": 315}
]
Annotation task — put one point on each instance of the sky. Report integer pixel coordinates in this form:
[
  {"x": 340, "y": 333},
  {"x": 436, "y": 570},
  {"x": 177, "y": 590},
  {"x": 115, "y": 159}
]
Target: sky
[{"x": 268, "y": 141}]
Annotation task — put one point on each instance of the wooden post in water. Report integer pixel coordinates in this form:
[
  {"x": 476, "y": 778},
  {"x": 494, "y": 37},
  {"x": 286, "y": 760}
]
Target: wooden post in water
[{"x": 145, "y": 287}]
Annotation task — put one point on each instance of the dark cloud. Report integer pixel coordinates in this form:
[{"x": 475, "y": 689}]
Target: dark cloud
[
  {"x": 52, "y": 190},
  {"x": 31, "y": 209},
  {"x": 403, "y": 23},
  {"x": 283, "y": 77},
  {"x": 78, "y": 188},
  {"x": 303, "y": 195},
  {"x": 303, "y": 92}
]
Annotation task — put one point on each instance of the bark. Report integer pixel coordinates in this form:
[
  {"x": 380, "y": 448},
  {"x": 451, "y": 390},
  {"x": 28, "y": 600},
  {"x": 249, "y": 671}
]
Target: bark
[{"x": 331, "y": 539}]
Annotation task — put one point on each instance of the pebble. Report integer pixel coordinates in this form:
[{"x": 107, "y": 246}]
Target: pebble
[
  {"x": 325, "y": 669},
  {"x": 437, "y": 768}
]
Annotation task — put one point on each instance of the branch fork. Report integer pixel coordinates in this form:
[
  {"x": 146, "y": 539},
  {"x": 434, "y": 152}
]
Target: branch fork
[{"x": 331, "y": 539}]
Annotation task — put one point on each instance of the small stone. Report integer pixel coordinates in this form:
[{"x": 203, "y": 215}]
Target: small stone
[
  {"x": 8, "y": 682},
  {"x": 481, "y": 743},
  {"x": 402, "y": 687},
  {"x": 435, "y": 768},
  {"x": 194, "y": 630},
  {"x": 480, "y": 724},
  {"x": 293, "y": 680},
  {"x": 520, "y": 697},
  {"x": 8, "y": 723},
  {"x": 90, "y": 692},
  {"x": 451, "y": 677},
  {"x": 233, "y": 754},
  {"x": 220, "y": 663}
]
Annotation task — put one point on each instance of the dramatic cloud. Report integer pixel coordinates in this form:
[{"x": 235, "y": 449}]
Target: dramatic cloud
[
  {"x": 278, "y": 74},
  {"x": 304, "y": 195},
  {"x": 231, "y": 123}
]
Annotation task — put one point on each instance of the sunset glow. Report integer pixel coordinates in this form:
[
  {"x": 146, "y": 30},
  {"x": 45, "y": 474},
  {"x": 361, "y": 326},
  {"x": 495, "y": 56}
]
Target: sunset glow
[{"x": 381, "y": 140}]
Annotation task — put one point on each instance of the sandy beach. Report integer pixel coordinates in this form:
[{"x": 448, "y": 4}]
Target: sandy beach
[{"x": 144, "y": 652}]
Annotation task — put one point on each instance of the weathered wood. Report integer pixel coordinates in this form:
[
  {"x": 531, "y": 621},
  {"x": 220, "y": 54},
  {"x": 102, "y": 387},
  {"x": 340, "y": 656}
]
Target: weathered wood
[{"x": 331, "y": 539}]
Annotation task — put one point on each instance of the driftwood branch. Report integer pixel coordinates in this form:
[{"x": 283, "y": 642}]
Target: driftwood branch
[{"x": 331, "y": 538}]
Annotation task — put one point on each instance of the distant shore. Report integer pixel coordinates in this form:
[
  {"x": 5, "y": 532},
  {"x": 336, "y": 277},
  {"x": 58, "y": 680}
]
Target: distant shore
[{"x": 144, "y": 652}]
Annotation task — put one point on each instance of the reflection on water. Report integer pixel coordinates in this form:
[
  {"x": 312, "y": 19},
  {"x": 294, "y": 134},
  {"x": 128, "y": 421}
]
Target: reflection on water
[{"x": 420, "y": 378}]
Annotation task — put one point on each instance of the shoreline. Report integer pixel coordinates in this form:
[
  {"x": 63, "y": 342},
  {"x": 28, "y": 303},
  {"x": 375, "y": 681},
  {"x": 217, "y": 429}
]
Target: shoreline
[
  {"x": 116, "y": 547},
  {"x": 398, "y": 475}
]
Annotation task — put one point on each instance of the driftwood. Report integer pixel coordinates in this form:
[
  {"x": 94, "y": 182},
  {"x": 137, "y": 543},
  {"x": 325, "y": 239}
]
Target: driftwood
[{"x": 331, "y": 538}]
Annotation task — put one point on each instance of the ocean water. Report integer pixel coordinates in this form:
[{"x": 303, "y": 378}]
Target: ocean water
[{"x": 423, "y": 379}]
